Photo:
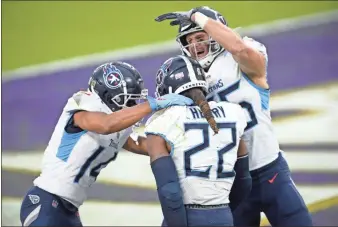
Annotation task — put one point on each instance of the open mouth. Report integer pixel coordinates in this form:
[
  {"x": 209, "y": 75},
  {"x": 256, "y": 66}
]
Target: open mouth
[{"x": 201, "y": 53}]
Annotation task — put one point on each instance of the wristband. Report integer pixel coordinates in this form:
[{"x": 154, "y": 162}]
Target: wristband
[{"x": 201, "y": 19}]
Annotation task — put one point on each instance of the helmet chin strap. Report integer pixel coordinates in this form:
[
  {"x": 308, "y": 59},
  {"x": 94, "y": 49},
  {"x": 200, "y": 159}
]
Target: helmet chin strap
[{"x": 206, "y": 61}]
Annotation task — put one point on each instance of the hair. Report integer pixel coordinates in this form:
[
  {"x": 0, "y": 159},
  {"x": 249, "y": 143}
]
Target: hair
[{"x": 197, "y": 95}]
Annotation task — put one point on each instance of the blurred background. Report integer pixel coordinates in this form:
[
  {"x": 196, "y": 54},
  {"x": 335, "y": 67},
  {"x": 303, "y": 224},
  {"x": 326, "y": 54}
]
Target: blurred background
[{"x": 49, "y": 50}]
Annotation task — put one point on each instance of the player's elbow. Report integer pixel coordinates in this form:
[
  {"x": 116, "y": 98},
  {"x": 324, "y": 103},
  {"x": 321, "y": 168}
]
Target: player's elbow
[
  {"x": 251, "y": 62},
  {"x": 167, "y": 181},
  {"x": 244, "y": 55},
  {"x": 172, "y": 194},
  {"x": 239, "y": 49}
]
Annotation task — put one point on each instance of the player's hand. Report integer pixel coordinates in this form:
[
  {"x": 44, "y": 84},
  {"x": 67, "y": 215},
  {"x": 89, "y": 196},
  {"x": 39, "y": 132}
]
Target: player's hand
[
  {"x": 168, "y": 100},
  {"x": 177, "y": 17}
]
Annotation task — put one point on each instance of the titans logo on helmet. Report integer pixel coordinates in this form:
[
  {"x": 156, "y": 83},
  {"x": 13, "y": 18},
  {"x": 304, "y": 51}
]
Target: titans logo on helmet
[
  {"x": 162, "y": 72},
  {"x": 112, "y": 76}
]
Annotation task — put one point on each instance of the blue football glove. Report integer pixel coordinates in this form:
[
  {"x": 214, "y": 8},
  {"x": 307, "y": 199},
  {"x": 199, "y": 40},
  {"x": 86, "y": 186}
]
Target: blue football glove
[{"x": 168, "y": 100}]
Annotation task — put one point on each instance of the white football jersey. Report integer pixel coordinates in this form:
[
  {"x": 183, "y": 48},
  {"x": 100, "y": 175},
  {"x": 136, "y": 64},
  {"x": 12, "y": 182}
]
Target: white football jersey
[
  {"x": 72, "y": 161},
  {"x": 228, "y": 83},
  {"x": 204, "y": 161}
]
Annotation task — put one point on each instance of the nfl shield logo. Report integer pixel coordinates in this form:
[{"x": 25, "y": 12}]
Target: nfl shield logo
[
  {"x": 55, "y": 203},
  {"x": 179, "y": 75}
]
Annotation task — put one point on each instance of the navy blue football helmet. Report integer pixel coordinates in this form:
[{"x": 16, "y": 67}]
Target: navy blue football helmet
[
  {"x": 118, "y": 84},
  {"x": 214, "y": 48},
  {"x": 179, "y": 74}
]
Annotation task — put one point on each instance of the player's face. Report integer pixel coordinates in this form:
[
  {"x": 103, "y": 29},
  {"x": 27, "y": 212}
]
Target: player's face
[{"x": 198, "y": 44}]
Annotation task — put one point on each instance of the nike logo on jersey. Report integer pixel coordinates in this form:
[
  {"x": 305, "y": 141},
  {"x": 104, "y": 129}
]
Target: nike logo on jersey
[
  {"x": 55, "y": 204},
  {"x": 273, "y": 179},
  {"x": 34, "y": 199}
]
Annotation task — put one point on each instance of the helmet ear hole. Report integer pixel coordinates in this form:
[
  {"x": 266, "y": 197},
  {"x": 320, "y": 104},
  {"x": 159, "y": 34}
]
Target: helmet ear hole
[
  {"x": 162, "y": 91},
  {"x": 165, "y": 91},
  {"x": 108, "y": 97},
  {"x": 131, "y": 103}
]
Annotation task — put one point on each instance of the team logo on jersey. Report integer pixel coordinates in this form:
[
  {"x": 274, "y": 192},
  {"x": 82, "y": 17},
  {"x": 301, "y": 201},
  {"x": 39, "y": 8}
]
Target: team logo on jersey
[
  {"x": 112, "y": 76},
  {"x": 34, "y": 199}
]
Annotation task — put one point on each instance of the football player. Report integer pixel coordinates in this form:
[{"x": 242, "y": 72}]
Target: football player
[
  {"x": 201, "y": 142},
  {"x": 237, "y": 72},
  {"x": 92, "y": 129}
]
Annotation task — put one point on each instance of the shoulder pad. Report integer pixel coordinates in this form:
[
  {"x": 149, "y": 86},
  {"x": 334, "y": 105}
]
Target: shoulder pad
[
  {"x": 166, "y": 123},
  {"x": 85, "y": 100},
  {"x": 154, "y": 116}
]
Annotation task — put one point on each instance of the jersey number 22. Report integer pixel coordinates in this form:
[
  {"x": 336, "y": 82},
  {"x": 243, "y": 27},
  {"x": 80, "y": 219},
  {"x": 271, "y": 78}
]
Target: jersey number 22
[{"x": 204, "y": 127}]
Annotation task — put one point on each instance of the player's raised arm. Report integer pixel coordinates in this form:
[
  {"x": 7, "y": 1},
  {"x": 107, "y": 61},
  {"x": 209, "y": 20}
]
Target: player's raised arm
[
  {"x": 250, "y": 57},
  {"x": 250, "y": 60}
]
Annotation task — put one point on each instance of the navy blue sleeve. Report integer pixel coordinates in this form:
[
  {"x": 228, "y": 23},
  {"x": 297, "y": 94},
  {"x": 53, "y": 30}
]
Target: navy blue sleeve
[{"x": 169, "y": 191}]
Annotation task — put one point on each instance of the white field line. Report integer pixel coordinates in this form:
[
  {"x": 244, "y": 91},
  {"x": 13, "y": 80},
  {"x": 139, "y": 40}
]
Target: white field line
[{"x": 269, "y": 28}]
